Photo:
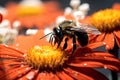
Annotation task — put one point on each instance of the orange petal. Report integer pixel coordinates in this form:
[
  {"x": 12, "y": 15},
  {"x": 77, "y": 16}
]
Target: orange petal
[
  {"x": 88, "y": 64},
  {"x": 117, "y": 37},
  {"x": 113, "y": 68},
  {"x": 82, "y": 51},
  {"x": 85, "y": 73},
  {"x": 8, "y": 52},
  {"x": 109, "y": 41},
  {"x": 15, "y": 73},
  {"x": 96, "y": 38},
  {"x": 92, "y": 38},
  {"x": 95, "y": 45},
  {"x": 30, "y": 75},
  {"x": 46, "y": 76},
  {"x": 50, "y": 76},
  {"x": 97, "y": 60},
  {"x": 9, "y": 64},
  {"x": 77, "y": 75},
  {"x": 97, "y": 56},
  {"x": 64, "y": 76}
]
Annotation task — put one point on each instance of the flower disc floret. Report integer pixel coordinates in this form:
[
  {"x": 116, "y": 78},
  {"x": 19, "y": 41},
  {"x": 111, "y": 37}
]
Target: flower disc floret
[
  {"x": 106, "y": 20},
  {"x": 46, "y": 57}
]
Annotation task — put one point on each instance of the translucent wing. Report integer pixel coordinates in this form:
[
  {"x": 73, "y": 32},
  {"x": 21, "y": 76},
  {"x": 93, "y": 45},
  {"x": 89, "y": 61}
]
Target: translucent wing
[{"x": 86, "y": 28}]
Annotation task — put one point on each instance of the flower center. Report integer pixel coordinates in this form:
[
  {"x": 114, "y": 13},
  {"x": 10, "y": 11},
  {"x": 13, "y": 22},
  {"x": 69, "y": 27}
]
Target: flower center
[
  {"x": 45, "y": 57},
  {"x": 106, "y": 20},
  {"x": 30, "y": 10}
]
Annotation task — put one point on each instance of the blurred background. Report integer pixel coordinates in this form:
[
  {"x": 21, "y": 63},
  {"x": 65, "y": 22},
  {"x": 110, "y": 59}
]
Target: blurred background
[{"x": 95, "y": 5}]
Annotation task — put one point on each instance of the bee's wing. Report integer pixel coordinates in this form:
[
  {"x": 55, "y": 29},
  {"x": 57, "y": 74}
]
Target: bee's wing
[{"x": 86, "y": 28}]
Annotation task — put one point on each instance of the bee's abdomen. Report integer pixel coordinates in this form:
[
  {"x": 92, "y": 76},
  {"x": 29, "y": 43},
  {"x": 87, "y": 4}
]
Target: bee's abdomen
[{"x": 82, "y": 38}]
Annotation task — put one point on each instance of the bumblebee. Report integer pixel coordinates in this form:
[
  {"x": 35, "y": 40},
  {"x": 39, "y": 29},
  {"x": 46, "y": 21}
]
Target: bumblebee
[{"x": 71, "y": 29}]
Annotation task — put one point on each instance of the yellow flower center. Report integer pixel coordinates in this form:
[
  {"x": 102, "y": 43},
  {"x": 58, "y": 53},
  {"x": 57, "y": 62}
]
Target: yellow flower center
[
  {"x": 45, "y": 57},
  {"x": 106, "y": 20}
]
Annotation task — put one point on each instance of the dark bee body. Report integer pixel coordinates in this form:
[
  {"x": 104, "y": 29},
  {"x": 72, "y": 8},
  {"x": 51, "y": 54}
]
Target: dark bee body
[
  {"x": 70, "y": 29},
  {"x": 65, "y": 30}
]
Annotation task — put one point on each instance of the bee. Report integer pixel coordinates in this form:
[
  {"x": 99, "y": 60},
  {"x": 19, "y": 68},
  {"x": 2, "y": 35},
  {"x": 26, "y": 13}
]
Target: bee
[{"x": 71, "y": 29}]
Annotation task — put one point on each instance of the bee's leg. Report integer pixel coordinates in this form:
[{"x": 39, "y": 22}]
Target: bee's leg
[
  {"x": 74, "y": 43},
  {"x": 59, "y": 42},
  {"x": 51, "y": 39},
  {"x": 54, "y": 40},
  {"x": 59, "y": 39},
  {"x": 65, "y": 44}
]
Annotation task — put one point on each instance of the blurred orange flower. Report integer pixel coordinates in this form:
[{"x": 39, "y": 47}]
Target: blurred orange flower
[
  {"x": 33, "y": 16},
  {"x": 36, "y": 59}
]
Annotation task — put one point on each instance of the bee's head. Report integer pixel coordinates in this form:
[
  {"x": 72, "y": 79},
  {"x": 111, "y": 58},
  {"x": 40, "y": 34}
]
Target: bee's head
[{"x": 56, "y": 30}]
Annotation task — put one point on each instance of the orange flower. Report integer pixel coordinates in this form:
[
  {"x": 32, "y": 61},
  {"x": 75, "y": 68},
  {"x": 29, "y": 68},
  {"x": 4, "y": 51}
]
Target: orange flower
[
  {"x": 33, "y": 16},
  {"x": 48, "y": 63},
  {"x": 108, "y": 22}
]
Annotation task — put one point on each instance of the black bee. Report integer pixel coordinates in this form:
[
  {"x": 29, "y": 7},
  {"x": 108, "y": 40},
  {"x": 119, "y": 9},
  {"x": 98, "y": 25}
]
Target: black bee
[{"x": 71, "y": 29}]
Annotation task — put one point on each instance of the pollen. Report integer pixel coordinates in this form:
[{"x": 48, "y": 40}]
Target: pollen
[
  {"x": 46, "y": 57},
  {"x": 106, "y": 20}
]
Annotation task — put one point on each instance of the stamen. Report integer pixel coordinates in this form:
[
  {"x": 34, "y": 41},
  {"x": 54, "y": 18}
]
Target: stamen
[{"x": 45, "y": 57}]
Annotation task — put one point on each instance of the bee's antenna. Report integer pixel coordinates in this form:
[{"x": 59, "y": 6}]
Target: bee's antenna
[{"x": 46, "y": 35}]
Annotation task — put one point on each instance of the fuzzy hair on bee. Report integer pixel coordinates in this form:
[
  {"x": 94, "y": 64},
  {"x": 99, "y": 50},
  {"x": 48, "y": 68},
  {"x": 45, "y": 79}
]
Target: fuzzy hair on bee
[{"x": 71, "y": 29}]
